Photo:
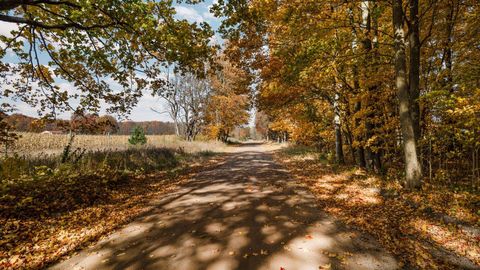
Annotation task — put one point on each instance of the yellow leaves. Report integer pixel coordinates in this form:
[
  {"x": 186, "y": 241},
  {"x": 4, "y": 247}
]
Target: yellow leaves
[
  {"x": 281, "y": 125},
  {"x": 425, "y": 228},
  {"x": 25, "y": 201},
  {"x": 44, "y": 73},
  {"x": 330, "y": 254},
  {"x": 404, "y": 230},
  {"x": 224, "y": 113},
  {"x": 325, "y": 266},
  {"x": 48, "y": 220}
]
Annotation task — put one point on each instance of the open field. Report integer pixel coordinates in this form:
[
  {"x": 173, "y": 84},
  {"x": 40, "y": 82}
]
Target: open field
[{"x": 32, "y": 144}]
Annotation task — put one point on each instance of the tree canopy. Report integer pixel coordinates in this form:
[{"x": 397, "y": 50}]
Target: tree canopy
[
  {"x": 384, "y": 80},
  {"x": 109, "y": 51}
]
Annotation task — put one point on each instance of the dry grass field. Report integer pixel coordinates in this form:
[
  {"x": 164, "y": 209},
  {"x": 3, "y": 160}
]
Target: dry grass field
[{"x": 31, "y": 144}]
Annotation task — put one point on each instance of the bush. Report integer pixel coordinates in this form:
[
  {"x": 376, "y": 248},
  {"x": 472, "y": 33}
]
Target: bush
[
  {"x": 137, "y": 136},
  {"x": 26, "y": 183}
]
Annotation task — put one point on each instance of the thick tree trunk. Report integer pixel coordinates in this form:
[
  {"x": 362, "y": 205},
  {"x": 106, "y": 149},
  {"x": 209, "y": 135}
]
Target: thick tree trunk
[
  {"x": 413, "y": 171},
  {"x": 349, "y": 138},
  {"x": 177, "y": 130},
  {"x": 414, "y": 72}
]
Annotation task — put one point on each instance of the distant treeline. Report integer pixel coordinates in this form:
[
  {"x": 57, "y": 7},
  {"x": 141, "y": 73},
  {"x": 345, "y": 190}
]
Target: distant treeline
[
  {"x": 150, "y": 127},
  {"x": 89, "y": 124}
]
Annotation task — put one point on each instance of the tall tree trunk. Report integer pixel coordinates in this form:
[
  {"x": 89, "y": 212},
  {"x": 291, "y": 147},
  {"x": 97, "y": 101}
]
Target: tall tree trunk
[
  {"x": 177, "y": 130},
  {"x": 447, "y": 62},
  {"x": 447, "y": 51},
  {"x": 413, "y": 171},
  {"x": 338, "y": 133},
  {"x": 414, "y": 72},
  {"x": 377, "y": 159},
  {"x": 336, "y": 109},
  {"x": 348, "y": 132},
  {"x": 370, "y": 87},
  {"x": 360, "y": 150},
  {"x": 360, "y": 153}
]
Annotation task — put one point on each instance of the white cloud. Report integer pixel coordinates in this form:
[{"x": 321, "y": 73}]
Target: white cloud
[
  {"x": 189, "y": 14},
  {"x": 143, "y": 110},
  {"x": 209, "y": 16},
  {"x": 6, "y": 28}
]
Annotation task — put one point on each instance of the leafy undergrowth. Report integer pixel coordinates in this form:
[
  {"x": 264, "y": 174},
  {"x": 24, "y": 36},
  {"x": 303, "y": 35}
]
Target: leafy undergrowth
[
  {"x": 433, "y": 228},
  {"x": 52, "y": 213}
]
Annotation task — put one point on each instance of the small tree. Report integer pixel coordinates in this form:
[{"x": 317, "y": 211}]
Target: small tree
[
  {"x": 137, "y": 136},
  {"x": 7, "y": 138}
]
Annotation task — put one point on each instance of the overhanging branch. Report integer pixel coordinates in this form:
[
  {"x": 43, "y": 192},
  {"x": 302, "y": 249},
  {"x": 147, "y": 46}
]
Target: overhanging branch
[
  {"x": 20, "y": 20},
  {"x": 11, "y": 4}
]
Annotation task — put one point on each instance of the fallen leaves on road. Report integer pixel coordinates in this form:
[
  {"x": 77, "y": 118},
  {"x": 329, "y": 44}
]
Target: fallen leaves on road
[
  {"x": 425, "y": 228},
  {"x": 61, "y": 223}
]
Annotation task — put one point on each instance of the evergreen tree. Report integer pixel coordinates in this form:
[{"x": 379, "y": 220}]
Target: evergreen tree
[{"x": 137, "y": 136}]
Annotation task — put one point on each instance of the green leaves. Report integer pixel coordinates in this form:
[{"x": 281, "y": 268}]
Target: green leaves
[
  {"x": 137, "y": 136},
  {"x": 95, "y": 45}
]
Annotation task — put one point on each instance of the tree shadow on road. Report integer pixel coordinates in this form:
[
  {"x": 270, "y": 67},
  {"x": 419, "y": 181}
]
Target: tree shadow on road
[{"x": 245, "y": 214}]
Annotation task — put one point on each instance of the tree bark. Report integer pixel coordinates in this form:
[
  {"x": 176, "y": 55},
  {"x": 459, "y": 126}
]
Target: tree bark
[
  {"x": 414, "y": 72},
  {"x": 377, "y": 159},
  {"x": 338, "y": 133},
  {"x": 413, "y": 171},
  {"x": 371, "y": 87},
  {"x": 360, "y": 153},
  {"x": 360, "y": 150}
]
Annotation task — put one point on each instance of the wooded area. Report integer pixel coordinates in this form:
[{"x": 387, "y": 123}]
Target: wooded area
[
  {"x": 341, "y": 134},
  {"x": 379, "y": 83}
]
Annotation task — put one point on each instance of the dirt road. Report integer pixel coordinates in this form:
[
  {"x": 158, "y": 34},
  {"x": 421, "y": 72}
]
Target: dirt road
[{"x": 246, "y": 213}]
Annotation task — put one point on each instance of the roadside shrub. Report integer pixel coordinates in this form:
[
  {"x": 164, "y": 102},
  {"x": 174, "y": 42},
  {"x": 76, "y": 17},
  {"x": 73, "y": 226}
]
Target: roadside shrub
[{"x": 26, "y": 183}]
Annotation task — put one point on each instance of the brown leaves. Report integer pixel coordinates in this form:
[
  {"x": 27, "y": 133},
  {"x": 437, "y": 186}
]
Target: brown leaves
[
  {"x": 35, "y": 237},
  {"x": 404, "y": 223}
]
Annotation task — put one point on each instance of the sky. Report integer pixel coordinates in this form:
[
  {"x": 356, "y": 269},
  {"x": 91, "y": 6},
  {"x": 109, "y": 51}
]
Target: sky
[{"x": 143, "y": 111}]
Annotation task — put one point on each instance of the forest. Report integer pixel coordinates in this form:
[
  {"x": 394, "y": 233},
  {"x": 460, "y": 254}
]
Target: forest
[
  {"x": 380, "y": 82},
  {"x": 302, "y": 134}
]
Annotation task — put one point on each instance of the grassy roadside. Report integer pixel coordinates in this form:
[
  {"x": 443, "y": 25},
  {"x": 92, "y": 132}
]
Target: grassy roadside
[
  {"x": 437, "y": 227},
  {"x": 47, "y": 213}
]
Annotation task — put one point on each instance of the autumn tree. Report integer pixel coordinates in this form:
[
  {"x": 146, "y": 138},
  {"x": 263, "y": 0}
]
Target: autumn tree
[
  {"x": 107, "y": 124},
  {"x": 326, "y": 73},
  {"x": 412, "y": 165},
  {"x": 91, "y": 44},
  {"x": 7, "y": 136},
  {"x": 171, "y": 95},
  {"x": 229, "y": 103},
  {"x": 261, "y": 125}
]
